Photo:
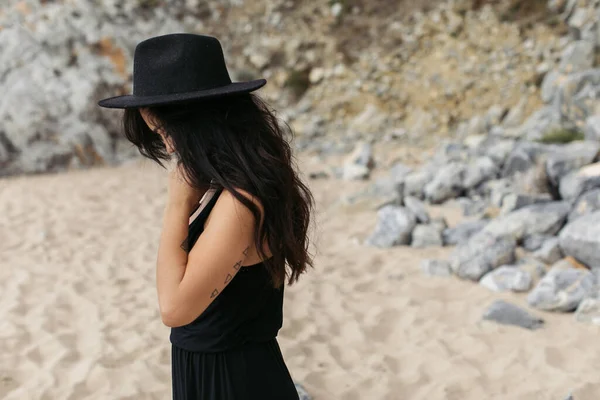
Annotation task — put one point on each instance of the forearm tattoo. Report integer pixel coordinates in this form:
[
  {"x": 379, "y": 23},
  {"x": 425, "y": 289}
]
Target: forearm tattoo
[{"x": 229, "y": 277}]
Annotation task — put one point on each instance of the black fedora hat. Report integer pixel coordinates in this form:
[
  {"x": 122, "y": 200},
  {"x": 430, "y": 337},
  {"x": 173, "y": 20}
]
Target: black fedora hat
[{"x": 177, "y": 68}]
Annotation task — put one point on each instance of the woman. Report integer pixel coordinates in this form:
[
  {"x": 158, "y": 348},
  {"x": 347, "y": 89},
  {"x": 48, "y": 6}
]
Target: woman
[{"x": 220, "y": 279}]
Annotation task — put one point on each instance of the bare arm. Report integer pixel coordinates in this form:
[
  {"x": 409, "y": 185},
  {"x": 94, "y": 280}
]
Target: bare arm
[{"x": 187, "y": 284}]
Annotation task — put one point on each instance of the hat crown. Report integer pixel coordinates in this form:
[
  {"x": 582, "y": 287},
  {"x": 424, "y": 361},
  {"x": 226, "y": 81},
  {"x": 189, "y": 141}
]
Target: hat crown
[{"x": 178, "y": 63}]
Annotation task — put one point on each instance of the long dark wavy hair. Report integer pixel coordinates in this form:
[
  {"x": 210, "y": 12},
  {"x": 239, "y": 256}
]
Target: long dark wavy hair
[{"x": 237, "y": 142}]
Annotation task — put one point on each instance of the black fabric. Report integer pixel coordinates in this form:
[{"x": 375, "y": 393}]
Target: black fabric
[
  {"x": 179, "y": 67},
  {"x": 230, "y": 352}
]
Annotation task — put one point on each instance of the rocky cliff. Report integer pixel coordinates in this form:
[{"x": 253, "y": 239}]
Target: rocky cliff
[{"x": 338, "y": 71}]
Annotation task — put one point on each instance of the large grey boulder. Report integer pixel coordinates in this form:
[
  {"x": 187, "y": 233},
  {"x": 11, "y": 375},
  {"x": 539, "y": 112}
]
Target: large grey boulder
[
  {"x": 542, "y": 120},
  {"x": 415, "y": 181},
  {"x": 427, "y": 235},
  {"x": 592, "y": 128},
  {"x": 562, "y": 288},
  {"x": 519, "y": 160},
  {"x": 478, "y": 171},
  {"x": 570, "y": 157},
  {"x": 588, "y": 310},
  {"x": 480, "y": 254},
  {"x": 497, "y": 189},
  {"x": 359, "y": 163},
  {"x": 515, "y": 201},
  {"x": 581, "y": 239},
  {"x": 550, "y": 251},
  {"x": 576, "y": 97},
  {"x": 534, "y": 242},
  {"x": 578, "y": 182},
  {"x": 586, "y": 203},
  {"x": 496, "y": 149},
  {"x": 394, "y": 227},
  {"x": 507, "y": 278},
  {"x": 447, "y": 183},
  {"x": 506, "y": 313},
  {"x": 462, "y": 232},
  {"x": 417, "y": 207},
  {"x": 545, "y": 218},
  {"x": 578, "y": 56}
]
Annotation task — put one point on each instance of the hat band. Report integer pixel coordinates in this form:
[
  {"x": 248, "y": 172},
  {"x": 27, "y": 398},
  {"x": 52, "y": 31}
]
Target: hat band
[{"x": 140, "y": 90}]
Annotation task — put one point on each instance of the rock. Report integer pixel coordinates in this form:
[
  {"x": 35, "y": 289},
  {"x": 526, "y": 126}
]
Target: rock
[
  {"x": 505, "y": 278},
  {"x": 447, "y": 183},
  {"x": 576, "y": 98},
  {"x": 316, "y": 75},
  {"x": 496, "y": 149},
  {"x": 336, "y": 9},
  {"x": 534, "y": 242},
  {"x": 518, "y": 160},
  {"x": 545, "y": 219},
  {"x": 394, "y": 227},
  {"x": 478, "y": 171},
  {"x": 515, "y": 115},
  {"x": 259, "y": 60},
  {"x": 561, "y": 289},
  {"x": 451, "y": 152},
  {"x": 436, "y": 268},
  {"x": 578, "y": 182},
  {"x": 359, "y": 163},
  {"x": 550, "y": 252},
  {"x": 535, "y": 268},
  {"x": 302, "y": 393},
  {"x": 480, "y": 254},
  {"x": 534, "y": 181},
  {"x": 556, "y": 6},
  {"x": 398, "y": 172},
  {"x": 514, "y": 201},
  {"x": 578, "y": 56},
  {"x": 472, "y": 207},
  {"x": 549, "y": 86},
  {"x": 494, "y": 116},
  {"x": 506, "y": 313},
  {"x": 414, "y": 183},
  {"x": 361, "y": 155},
  {"x": 417, "y": 207},
  {"x": 570, "y": 397},
  {"x": 579, "y": 18},
  {"x": 539, "y": 123},
  {"x": 318, "y": 175},
  {"x": 462, "y": 232},
  {"x": 355, "y": 172},
  {"x": 588, "y": 310},
  {"x": 570, "y": 157},
  {"x": 592, "y": 128},
  {"x": 426, "y": 236},
  {"x": 497, "y": 189},
  {"x": 581, "y": 239},
  {"x": 585, "y": 204},
  {"x": 439, "y": 223}
]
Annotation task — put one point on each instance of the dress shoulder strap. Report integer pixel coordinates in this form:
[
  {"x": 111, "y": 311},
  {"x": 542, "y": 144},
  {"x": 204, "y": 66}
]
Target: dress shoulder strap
[{"x": 197, "y": 225}]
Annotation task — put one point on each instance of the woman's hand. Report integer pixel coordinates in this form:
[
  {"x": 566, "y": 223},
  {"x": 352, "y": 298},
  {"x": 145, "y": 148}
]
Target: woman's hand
[{"x": 181, "y": 194}]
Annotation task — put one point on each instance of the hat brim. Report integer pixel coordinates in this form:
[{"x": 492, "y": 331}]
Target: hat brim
[{"x": 133, "y": 101}]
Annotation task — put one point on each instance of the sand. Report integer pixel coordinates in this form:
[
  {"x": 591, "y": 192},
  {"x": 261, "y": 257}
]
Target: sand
[{"x": 79, "y": 312}]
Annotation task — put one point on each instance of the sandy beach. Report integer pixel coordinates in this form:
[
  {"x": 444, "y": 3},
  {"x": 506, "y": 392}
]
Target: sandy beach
[{"x": 80, "y": 315}]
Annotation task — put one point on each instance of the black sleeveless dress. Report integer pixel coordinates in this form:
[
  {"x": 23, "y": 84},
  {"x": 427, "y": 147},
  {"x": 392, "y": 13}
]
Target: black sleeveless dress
[{"x": 230, "y": 352}]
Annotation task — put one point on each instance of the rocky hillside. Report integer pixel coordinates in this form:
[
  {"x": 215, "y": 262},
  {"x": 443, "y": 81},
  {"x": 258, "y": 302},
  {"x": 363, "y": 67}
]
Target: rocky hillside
[
  {"x": 338, "y": 70},
  {"x": 530, "y": 191}
]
